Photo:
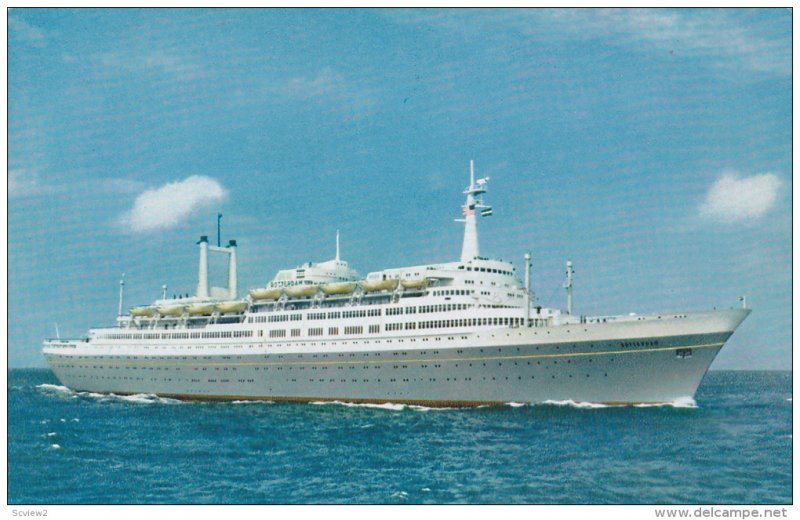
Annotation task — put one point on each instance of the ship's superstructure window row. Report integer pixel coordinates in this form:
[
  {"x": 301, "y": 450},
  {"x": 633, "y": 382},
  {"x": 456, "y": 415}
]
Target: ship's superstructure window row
[
  {"x": 348, "y": 330},
  {"x": 180, "y": 335}
]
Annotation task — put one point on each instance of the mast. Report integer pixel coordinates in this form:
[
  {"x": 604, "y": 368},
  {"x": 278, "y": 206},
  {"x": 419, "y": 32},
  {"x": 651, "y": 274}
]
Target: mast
[
  {"x": 568, "y": 286},
  {"x": 219, "y": 218},
  {"x": 121, "y": 290},
  {"x": 337, "y": 245},
  {"x": 527, "y": 288},
  {"x": 470, "y": 248}
]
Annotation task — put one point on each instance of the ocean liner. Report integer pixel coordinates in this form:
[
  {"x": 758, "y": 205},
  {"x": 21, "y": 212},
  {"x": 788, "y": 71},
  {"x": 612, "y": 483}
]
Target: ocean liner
[{"x": 467, "y": 332}]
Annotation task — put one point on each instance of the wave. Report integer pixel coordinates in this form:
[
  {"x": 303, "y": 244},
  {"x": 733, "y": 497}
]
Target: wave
[
  {"x": 55, "y": 446},
  {"x": 681, "y": 402},
  {"x": 253, "y": 401},
  {"x": 789, "y": 399},
  {"x": 394, "y": 407},
  {"x": 578, "y": 404},
  {"x": 420, "y": 408},
  {"x": 56, "y": 389},
  {"x": 142, "y": 399},
  {"x": 135, "y": 398}
]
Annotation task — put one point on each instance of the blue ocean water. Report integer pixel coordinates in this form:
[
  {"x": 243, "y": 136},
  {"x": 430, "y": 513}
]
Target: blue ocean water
[{"x": 735, "y": 446}]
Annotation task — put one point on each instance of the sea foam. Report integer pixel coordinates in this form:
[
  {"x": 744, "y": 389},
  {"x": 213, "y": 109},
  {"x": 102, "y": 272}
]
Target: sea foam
[
  {"x": 681, "y": 402},
  {"x": 394, "y": 407},
  {"x": 135, "y": 398},
  {"x": 383, "y": 406},
  {"x": 55, "y": 389},
  {"x": 577, "y": 404}
]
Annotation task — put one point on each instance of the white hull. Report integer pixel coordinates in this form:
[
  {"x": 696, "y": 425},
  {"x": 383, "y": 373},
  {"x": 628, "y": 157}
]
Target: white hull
[{"x": 655, "y": 360}]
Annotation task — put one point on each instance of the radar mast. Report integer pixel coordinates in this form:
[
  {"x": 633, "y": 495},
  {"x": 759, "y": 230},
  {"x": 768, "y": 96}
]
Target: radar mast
[{"x": 470, "y": 248}]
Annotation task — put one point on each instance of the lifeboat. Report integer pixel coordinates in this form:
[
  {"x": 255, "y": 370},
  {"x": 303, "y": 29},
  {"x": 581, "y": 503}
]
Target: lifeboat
[
  {"x": 339, "y": 288},
  {"x": 171, "y": 311},
  {"x": 227, "y": 307},
  {"x": 143, "y": 311},
  {"x": 419, "y": 283},
  {"x": 380, "y": 285},
  {"x": 299, "y": 291},
  {"x": 265, "y": 294},
  {"x": 200, "y": 309}
]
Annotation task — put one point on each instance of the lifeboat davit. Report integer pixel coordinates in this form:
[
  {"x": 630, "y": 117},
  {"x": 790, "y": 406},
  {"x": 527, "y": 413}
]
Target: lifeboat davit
[
  {"x": 299, "y": 291},
  {"x": 200, "y": 309},
  {"x": 228, "y": 307},
  {"x": 339, "y": 288},
  {"x": 171, "y": 311},
  {"x": 380, "y": 285},
  {"x": 419, "y": 283},
  {"x": 265, "y": 294},
  {"x": 148, "y": 312}
]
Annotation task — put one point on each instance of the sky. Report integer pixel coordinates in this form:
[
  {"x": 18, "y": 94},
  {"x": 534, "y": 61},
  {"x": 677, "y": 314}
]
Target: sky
[{"x": 650, "y": 147}]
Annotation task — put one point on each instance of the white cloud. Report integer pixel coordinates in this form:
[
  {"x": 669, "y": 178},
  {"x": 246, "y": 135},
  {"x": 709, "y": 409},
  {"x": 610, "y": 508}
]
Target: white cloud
[
  {"x": 167, "y": 206},
  {"x": 735, "y": 199}
]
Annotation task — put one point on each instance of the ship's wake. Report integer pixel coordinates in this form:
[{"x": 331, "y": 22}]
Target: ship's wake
[
  {"x": 63, "y": 391},
  {"x": 579, "y": 404},
  {"x": 681, "y": 402},
  {"x": 395, "y": 407}
]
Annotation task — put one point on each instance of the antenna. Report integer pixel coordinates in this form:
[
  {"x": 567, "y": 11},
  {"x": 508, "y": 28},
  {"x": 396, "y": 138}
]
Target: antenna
[
  {"x": 219, "y": 217},
  {"x": 164, "y": 293},
  {"x": 58, "y": 336},
  {"x": 471, "y": 174},
  {"x": 337, "y": 245}
]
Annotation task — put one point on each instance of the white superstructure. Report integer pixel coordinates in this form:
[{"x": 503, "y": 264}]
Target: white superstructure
[{"x": 462, "y": 332}]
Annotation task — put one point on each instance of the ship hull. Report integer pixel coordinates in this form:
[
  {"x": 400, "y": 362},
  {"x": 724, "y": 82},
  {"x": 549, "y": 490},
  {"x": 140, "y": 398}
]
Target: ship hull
[{"x": 649, "y": 362}]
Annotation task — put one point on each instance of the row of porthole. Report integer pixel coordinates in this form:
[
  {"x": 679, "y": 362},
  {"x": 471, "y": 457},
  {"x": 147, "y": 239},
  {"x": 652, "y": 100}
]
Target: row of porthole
[
  {"x": 392, "y": 380},
  {"x": 499, "y": 363},
  {"x": 376, "y": 354},
  {"x": 352, "y": 367}
]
